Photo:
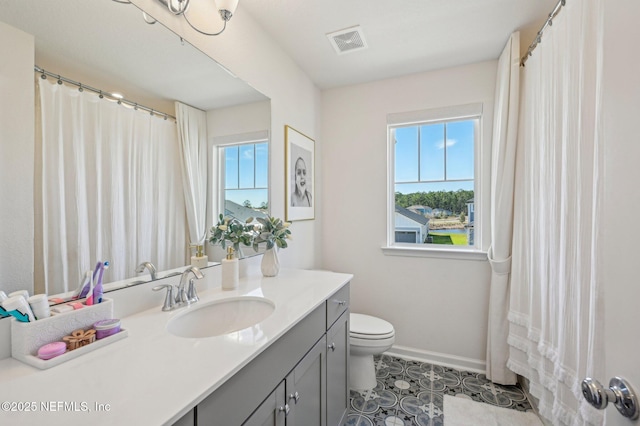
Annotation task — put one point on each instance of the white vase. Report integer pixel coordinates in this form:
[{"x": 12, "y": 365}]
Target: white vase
[{"x": 270, "y": 265}]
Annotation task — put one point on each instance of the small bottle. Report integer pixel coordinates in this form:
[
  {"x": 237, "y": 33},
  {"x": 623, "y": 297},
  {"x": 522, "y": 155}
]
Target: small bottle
[
  {"x": 39, "y": 306},
  {"x": 200, "y": 260},
  {"x": 230, "y": 271}
]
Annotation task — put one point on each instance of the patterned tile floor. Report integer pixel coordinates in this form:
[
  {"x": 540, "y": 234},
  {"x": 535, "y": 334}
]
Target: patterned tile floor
[{"x": 411, "y": 393}]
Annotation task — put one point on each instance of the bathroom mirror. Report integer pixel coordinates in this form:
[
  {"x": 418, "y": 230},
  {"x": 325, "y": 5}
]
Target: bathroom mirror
[{"x": 108, "y": 45}]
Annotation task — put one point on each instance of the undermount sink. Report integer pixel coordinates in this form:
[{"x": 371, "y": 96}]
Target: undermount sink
[{"x": 220, "y": 317}]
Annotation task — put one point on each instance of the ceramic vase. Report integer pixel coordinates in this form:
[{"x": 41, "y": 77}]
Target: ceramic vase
[{"x": 270, "y": 265}]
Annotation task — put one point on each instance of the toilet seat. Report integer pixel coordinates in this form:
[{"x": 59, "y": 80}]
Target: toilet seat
[
  {"x": 366, "y": 327},
  {"x": 368, "y": 336}
]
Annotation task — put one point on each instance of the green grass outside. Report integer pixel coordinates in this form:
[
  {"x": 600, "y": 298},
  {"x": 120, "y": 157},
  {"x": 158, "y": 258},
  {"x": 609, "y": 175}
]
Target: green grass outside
[
  {"x": 450, "y": 239},
  {"x": 441, "y": 239}
]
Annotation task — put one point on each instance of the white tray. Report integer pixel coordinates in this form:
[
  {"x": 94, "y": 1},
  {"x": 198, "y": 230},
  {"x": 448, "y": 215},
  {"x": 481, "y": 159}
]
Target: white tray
[
  {"x": 28, "y": 337},
  {"x": 43, "y": 364}
]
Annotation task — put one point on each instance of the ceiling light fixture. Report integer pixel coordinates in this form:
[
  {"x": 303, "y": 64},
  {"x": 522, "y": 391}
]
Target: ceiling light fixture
[{"x": 226, "y": 8}]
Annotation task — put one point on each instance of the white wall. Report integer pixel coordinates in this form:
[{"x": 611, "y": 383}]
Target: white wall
[
  {"x": 436, "y": 305},
  {"x": 16, "y": 159},
  {"x": 234, "y": 120},
  {"x": 250, "y": 53},
  {"x": 621, "y": 235}
]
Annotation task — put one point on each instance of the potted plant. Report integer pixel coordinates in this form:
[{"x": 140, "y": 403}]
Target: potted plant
[
  {"x": 230, "y": 230},
  {"x": 275, "y": 233}
]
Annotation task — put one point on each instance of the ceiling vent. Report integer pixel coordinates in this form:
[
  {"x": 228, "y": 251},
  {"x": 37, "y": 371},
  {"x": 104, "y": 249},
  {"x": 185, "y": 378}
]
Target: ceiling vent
[{"x": 347, "y": 40}]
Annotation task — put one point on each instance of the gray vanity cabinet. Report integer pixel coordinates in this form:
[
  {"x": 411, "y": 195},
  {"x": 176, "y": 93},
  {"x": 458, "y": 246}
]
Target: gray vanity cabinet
[
  {"x": 272, "y": 412},
  {"x": 338, "y": 370},
  {"x": 300, "y": 380},
  {"x": 300, "y": 397},
  {"x": 306, "y": 388}
]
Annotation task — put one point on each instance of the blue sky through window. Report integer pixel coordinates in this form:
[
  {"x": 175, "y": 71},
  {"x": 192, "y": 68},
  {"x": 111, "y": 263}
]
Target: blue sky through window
[
  {"x": 246, "y": 173},
  {"x": 424, "y": 162}
]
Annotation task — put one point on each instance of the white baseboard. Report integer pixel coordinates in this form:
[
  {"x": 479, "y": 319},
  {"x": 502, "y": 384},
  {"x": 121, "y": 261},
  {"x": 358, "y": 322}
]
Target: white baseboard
[{"x": 453, "y": 361}]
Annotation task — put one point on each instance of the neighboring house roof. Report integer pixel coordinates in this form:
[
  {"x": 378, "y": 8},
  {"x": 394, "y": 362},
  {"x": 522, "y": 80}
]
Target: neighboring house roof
[
  {"x": 418, "y": 207},
  {"x": 241, "y": 213},
  {"x": 471, "y": 201},
  {"x": 411, "y": 215}
]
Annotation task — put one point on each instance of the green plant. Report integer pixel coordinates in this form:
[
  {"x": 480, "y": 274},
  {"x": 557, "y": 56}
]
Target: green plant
[
  {"x": 272, "y": 231},
  {"x": 231, "y": 230}
]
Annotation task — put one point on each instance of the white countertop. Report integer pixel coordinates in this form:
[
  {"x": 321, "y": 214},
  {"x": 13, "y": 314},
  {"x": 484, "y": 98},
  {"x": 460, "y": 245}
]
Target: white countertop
[{"x": 153, "y": 377}]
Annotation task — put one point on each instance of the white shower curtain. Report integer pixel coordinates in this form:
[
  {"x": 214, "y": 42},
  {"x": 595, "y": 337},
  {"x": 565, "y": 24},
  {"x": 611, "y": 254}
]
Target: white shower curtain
[
  {"x": 503, "y": 160},
  {"x": 192, "y": 135},
  {"x": 109, "y": 188},
  {"x": 556, "y": 309}
]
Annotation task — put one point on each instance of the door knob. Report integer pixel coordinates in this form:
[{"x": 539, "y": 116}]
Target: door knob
[
  {"x": 619, "y": 392},
  {"x": 284, "y": 409}
]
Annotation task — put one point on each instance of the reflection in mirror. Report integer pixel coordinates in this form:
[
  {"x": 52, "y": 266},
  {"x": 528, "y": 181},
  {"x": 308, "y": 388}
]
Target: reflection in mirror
[
  {"x": 108, "y": 46},
  {"x": 243, "y": 184}
]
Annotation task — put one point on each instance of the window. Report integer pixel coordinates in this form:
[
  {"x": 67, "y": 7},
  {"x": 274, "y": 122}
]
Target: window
[
  {"x": 433, "y": 157},
  {"x": 244, "y": 179}
]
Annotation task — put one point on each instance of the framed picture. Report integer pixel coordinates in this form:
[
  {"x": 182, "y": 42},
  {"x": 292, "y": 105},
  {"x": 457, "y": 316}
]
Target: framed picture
[{"x": 299, "y": 178}]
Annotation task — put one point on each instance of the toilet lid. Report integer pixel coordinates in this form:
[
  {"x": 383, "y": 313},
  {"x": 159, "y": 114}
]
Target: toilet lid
[{"x": 366, "y": 325}]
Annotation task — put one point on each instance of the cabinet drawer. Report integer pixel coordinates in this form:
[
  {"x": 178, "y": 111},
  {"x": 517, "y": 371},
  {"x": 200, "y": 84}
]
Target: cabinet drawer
[{"x": 337, "y": 304}]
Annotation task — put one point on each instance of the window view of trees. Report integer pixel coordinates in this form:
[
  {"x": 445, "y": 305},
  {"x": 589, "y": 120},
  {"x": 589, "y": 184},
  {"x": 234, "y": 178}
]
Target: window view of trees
[
  {"x": 454, "y": 202},
  {"x": 448, "y": 213},
  {"x": 434, "y": 182}
]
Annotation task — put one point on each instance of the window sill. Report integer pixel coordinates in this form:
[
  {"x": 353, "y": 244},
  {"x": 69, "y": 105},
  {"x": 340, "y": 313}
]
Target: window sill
[{"x": 440, "y": 252}]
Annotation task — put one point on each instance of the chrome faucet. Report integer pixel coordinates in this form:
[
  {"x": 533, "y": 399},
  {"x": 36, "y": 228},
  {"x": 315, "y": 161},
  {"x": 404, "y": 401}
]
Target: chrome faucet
[
  {"x": 148, "y": 265},
  {"x": 169, "y": 301},
  {"x": 186, "y": 297}
]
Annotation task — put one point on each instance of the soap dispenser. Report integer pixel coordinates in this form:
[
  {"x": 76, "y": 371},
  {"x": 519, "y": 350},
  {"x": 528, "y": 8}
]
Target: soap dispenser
[
  {"x": 200, "y": 259},
  {"x": 230, "y": 271}
]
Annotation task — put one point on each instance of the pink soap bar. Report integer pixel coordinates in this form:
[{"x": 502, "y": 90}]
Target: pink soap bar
[{"x": 52, "y": 350}]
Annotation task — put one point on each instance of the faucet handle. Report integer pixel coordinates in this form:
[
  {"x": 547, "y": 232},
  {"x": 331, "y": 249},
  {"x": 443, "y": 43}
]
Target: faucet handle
[
  {"x": 169, "y": 302},
  {"x": 192, "y": 294}
]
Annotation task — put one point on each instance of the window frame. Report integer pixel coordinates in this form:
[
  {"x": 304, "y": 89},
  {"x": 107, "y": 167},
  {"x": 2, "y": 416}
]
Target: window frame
[
  {"x": 433, "y": 116},
  {"x": 222, "y": 187},
  {"x": 217, "y": 165}
]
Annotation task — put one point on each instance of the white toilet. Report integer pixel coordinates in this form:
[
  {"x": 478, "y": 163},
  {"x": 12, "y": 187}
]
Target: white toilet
[{"x": 368, "y": 336}]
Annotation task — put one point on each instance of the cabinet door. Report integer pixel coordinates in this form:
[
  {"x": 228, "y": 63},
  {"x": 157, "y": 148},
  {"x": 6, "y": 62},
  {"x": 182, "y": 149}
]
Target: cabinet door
[
  {"x": 272, "y": 412},
  {"x": 306, "y": 388},
  {"x": 338, "y": 370}
]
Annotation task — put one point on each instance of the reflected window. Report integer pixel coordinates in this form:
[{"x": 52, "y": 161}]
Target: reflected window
[{"x": 244, "y": 179}]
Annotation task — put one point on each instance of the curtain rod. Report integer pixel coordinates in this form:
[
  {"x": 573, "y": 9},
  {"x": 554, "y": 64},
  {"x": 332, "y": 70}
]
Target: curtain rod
[
  {"x": 102, "y": 93},
  {"x": 538, "y": 38}
]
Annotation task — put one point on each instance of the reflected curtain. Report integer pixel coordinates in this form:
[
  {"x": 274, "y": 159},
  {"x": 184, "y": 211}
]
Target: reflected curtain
[
  {"x": 192, "y": 136},
  {"x": 108, "y": 188},
  {"x": 556, "y": 308},
  {"x": 503, "y": 159}
]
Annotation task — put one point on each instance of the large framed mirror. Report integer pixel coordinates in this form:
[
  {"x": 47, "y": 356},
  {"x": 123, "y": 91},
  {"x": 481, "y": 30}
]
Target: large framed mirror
[{"x": 108, "y": 45}]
